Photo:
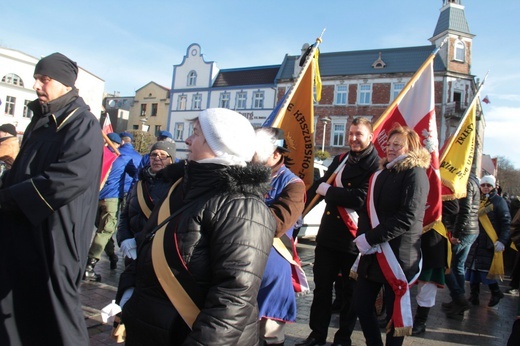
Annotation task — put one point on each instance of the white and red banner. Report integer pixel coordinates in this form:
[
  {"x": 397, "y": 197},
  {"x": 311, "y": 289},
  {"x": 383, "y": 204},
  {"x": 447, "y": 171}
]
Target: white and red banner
[
  {"x": 415, "y": 108},
  {"x": 107, "y": 125}
]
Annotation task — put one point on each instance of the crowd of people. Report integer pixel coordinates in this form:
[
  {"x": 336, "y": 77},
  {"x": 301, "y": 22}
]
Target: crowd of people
[{"x": 208, "y": 242}]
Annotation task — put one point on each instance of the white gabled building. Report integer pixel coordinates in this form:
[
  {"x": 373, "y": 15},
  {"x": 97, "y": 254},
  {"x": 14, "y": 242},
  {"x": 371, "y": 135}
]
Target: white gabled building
[
  {"x": 16, "y": 82},
  {"x": 198, "y": 84}
]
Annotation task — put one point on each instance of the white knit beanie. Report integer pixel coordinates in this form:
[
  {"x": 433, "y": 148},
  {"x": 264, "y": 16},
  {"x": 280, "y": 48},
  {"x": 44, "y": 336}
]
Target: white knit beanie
[
  {"x": 488, "y": 179},
  {"x": 229, "y": 134}
]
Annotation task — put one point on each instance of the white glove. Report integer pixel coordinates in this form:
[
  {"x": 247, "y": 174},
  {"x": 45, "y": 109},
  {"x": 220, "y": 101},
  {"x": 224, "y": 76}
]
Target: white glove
[
  {"x": 126, "y": 296},
  {"x": 362, "y": 245},
  {"x": 499, "y": 247},
  {"x": 129, "y": 248},
  {"x": 322, "y": 189}
]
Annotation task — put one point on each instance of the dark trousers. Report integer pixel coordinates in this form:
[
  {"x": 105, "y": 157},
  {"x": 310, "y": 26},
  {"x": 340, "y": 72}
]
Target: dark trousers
[
  {"x": 364, "y": 300},
  {"x": 327, "y": 264}
]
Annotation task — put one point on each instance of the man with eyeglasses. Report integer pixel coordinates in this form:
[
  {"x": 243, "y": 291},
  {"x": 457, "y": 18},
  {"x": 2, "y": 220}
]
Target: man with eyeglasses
[{"x": 111, "y": 200}]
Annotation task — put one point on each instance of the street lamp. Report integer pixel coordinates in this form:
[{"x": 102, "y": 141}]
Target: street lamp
[{"x": 325, "y": 121}]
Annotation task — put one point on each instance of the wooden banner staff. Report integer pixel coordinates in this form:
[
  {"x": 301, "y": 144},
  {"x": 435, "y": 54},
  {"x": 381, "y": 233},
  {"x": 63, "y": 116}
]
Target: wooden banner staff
[{"x": 110, "y": 144}]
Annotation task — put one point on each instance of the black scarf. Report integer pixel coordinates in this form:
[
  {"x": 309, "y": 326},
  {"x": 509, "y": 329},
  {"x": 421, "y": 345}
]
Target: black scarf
[{"x": 355, "y": 156}]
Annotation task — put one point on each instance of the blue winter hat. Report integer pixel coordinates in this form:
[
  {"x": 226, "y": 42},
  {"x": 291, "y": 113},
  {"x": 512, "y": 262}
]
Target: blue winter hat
[
  {"x": 127, "y": 134},
  {"x": 114, "y": 137},
  {"x": 165, "y": 134}
]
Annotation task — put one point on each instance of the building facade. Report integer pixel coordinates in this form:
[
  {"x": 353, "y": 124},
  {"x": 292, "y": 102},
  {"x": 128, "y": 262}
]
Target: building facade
[{"x": 149, "y": 110}]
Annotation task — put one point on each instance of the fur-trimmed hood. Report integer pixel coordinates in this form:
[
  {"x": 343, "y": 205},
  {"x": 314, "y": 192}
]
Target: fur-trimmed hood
[{"x": 415, "y": 158}]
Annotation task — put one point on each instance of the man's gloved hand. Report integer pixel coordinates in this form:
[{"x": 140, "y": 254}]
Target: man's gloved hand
[
  {"x": 499, "y": 247},
  {"x": 129, "y": 248},
  {"x": 322, "y": 189}
]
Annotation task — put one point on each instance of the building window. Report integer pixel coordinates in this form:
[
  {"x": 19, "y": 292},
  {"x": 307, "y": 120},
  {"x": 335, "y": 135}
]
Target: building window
[
  {"x": 178, "y": 132},
  {"x": 341, "y": 94},
  {"x": 190, "y": 128},
  {"x": 27, "y": 113},
  {"x": 338, "y": 133},
  {"x": 143, "y": 109},
  {"x": 196, "y": 101},
  {"x": 241, "y": 100},
  {"x": 135, "y": 127},
  {"x": 154, "y": 109},
  {"x": 157, "y": 130},
  {"x": 396, "y": 89},
  {"x": 224, "y": 100},
  {"x": 460, "y": 51},
  {"x": 12, "y": 78},
  {"x": 365, "y": 94},
  {"x": 192, "y": 78},
  {"x": 182, "y": 100},
  {"x": 10, "y": 102},
  {"x": 258, "y": 100}
]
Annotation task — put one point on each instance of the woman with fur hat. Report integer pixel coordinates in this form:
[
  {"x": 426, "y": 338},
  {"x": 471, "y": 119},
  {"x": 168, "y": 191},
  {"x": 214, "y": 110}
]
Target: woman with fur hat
[
  {"x": 485, "y": 256},
  {"x": 389, "y": 236},
  {"x": 149, "y": 191},
  {"x": 214, "y": 232}
]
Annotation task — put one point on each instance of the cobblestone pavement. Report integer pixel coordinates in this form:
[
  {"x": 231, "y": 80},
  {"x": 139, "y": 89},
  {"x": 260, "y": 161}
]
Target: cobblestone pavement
[{"x": 481, "y": 325}]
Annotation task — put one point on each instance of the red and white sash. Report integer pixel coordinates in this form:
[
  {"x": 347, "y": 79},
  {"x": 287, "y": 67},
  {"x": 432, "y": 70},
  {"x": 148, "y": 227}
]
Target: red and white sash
[
  {"x": 349, "y": 216},
  {"x": 394, "y": 275}
]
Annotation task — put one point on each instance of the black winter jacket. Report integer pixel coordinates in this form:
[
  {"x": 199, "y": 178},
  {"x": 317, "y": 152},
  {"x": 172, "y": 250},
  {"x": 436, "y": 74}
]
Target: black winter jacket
[
  {"x": 466, "y": 221},
  {"x": 333, "y": 233},
  {"x": 218, "y": 248},
  {"x": 400, "y": 195},
  {"x": 483, "y": 249}
]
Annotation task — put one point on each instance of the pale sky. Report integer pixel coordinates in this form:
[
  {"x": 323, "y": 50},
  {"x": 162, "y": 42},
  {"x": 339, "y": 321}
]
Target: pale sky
[{"x": 130, "y": 43}]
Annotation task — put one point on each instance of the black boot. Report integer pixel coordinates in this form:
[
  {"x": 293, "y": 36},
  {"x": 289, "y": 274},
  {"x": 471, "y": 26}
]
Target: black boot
[
  {"x": 419, "y": 322},
  {"x": 496, "y": 295},
  {"x": 460, "y": 304},
  {"x": 90, "y": 274},
  {"x": 113, "y": 261},
  {"x": 473, "y": 296}
]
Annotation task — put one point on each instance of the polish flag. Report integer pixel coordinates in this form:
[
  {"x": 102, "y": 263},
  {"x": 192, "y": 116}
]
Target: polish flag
[
  {"x": 107, "y": 125},
  {"x": 415, "y": 108},
  {"x": 486, "y": 100}
]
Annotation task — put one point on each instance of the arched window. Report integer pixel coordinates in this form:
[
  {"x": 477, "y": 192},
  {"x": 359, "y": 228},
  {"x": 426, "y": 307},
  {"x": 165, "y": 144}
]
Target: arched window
[
  {"x": 12, "y": 78},
  {"x": 460, "y": 51},
  {"x": 192, "y": 78}
]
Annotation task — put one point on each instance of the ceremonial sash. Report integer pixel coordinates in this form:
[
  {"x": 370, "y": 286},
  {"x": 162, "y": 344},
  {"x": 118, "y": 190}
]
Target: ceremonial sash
[
  {"x": 147, "y": 211},
  {"x": 299, "y": 279},
  {"x": 394, "y": 275},
  {"x": 496, "y": 271},
  {"x": 349, "y": 216}
]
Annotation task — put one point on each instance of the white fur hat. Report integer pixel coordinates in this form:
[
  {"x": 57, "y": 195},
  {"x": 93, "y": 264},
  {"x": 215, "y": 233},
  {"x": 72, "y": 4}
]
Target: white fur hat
[
  {"x": 229, "y": 134},
  {"x": 488, "y": 179}
]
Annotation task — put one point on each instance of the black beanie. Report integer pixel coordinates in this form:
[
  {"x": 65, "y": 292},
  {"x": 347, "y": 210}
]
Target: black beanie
[{"x": 57, "y": 66}]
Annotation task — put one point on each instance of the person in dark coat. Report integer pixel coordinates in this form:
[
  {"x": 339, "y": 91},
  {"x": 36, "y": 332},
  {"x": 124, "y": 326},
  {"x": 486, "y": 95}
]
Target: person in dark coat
[
  {"x": 217, "y": 243},
  {"x": 47, "y": 210},
  {"x": 389, "y": 236},
  {"x": 153, "y": 186},
  {"x": 490, "y": 240},
  {"x": 335, "y": 251}
]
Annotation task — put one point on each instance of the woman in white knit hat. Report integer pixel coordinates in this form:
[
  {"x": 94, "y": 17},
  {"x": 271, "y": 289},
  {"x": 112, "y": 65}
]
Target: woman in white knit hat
[
  {"x": 494, "y": 221},
  {"x": 216, "y": 237}
]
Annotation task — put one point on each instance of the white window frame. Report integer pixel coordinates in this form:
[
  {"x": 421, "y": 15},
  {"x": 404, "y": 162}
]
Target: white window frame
[
  {"x": 27, "y": 112},
  {"x": 224, "y": 100},
  {"x": 10, "y": 104},
  {"x": 338, "y": 132},
  {"x": 459, "y": 51},
  {"x": 258, "y": 100},
  {"x": 178, "y": 131},
  {"x": 192, "y": 78},
  {"x": 13, "y": 79},
  {"x": 341, "y": 94},
  {"x": 241, "y": 100},
  {"x": 364, "y": 93},
  {"x": 196, "y": 102},
  {"x": 396, "y": 89},
  {"x": 182, "y": 101}
]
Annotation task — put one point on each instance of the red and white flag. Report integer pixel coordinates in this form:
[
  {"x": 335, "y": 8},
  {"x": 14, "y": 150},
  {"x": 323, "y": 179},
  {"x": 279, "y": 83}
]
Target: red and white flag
[
  {"x": 486, "y": 100},
  {"x": 415, "y": 108},
  {"x": 107, "y": 125}
]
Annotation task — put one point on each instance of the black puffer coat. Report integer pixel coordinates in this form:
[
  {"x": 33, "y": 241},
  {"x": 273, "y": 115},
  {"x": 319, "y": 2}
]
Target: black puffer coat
[
  {"x": 155, "y": 187},
  {"x": 483, "y": 249},
  {"x": 400, "y": 195},
  {"x": 224, "y": 238}
]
